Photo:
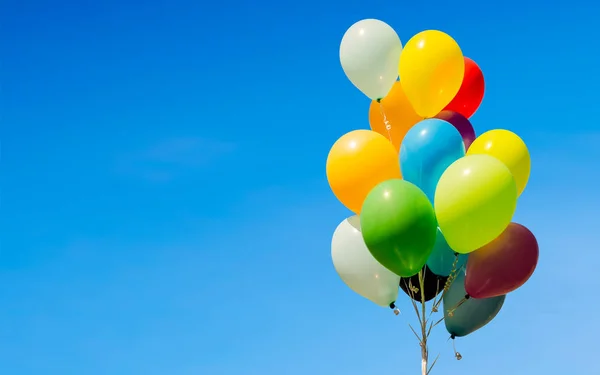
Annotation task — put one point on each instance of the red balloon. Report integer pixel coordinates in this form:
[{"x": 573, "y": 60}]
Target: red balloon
[
  {"x": 470, "y": 94},
  {"x": 502, "y": 265}
]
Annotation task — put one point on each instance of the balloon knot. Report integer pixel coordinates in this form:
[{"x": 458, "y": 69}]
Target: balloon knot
[{"x": 467, "y": 296}]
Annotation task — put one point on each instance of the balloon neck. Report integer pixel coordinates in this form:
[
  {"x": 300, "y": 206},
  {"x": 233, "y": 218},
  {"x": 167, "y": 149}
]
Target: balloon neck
[
  {"x": 396, "y": 310},
  {"x": 467, "y": 296},
  {"x": 378, "y": 100}
]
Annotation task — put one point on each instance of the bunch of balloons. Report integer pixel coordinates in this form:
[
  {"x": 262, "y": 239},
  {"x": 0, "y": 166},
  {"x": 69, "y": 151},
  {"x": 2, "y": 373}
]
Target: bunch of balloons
[{"x": 427, "y": 193}]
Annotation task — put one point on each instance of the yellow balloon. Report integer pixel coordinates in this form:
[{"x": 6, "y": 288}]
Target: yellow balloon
[
  {"x": 431, "y": 71},
  {"x": 475, "y": 201},
  {"x": 510, "y": 149},
  {"x": 357, "y": 162}
]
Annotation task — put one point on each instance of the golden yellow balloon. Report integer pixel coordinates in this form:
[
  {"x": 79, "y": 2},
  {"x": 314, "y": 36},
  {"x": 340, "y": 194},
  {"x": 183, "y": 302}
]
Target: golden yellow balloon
[
  {"x": 357, "y": 162},
  {"x": 431, "y": 71},
  {"x": 510, "y": 149}
]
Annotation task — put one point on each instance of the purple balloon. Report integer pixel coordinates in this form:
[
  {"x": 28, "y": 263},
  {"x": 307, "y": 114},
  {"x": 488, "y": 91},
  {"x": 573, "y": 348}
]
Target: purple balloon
[{"x": 461, "y": 123}]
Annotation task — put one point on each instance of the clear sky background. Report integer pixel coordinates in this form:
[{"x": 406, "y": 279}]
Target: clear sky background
[{"x": 165, "y": 209}]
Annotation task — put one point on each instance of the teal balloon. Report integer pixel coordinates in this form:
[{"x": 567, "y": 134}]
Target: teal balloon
[
  {"x": 441, "y": 260},
  {"x": 427, "y": 150},
  {"x": 471, "y": 315}
]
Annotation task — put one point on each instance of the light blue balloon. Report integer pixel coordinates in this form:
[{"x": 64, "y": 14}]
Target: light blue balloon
[
  {"x": 427, "y": 150},
  {"x": 442, "y": 257}
]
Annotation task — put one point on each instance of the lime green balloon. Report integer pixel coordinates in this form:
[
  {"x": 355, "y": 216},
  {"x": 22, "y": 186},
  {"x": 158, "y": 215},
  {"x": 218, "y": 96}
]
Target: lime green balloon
[
  {"x": 475, "y": 200},
  {"x": 398, "y": 226}
]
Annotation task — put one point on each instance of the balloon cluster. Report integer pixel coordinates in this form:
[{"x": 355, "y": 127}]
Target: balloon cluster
[{"x": 431, "y": 200}]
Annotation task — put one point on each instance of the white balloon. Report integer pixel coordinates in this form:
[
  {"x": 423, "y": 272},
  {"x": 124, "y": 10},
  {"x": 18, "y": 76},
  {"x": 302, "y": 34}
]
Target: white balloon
[
  {"x": 370, "y": 54},
  {"x": 357, "y": 267}
]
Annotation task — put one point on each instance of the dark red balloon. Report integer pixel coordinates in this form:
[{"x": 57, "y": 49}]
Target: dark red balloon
[
  {"x": 461, "y": 123},
  {"x": 470, "y": 94},
  {"x": 503, "y": 265}
]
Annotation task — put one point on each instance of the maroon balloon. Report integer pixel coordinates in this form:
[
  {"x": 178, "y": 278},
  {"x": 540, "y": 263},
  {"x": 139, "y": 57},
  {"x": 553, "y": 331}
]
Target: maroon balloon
[
  {"x": 461, "y": 123},
  {"x": 503, "y": 265}
]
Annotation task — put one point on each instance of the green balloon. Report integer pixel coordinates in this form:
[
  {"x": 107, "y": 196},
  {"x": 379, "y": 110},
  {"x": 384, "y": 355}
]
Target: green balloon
[
  {"x": 472, "y": 314},
  {"x": 399, "y": 226},
  {"x": 475, "y": 200}
]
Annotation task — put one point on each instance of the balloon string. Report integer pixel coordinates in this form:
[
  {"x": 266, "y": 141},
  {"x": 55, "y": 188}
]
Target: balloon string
[
  {"x": 388, "y": 126},
  {"x": 457, "y": 355},
  {"x": 396, "y": 309},
  {"x": 459, "y": 304}
]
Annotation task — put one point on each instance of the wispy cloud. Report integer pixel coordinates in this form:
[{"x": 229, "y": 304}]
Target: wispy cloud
[{"x": 171, "y": 157}]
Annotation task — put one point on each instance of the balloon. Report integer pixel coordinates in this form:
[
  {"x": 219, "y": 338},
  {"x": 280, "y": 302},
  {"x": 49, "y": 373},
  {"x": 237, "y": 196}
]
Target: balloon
[
  {"x": 393, "y": 110},
  {"x": 442, "y": 258},
  {"x": 369, "y": 53},
  {"x": 431, "y": 71},
  {"x": 504, "y": 264},
  {"x": 398, "y": 226},
  {"x": 427, "y": 150},
  {"x": 474, "y": 202},
  {"x": 357, "y": 267},
  {"x": 357, "y": 162},
  {"x": 432, "y": 285},
  {"x": 461, "y": 123},
  {"x": 470, "y": 94},
  {"x": 507, "y": 147},
  {"x": 473, "y": 314}
]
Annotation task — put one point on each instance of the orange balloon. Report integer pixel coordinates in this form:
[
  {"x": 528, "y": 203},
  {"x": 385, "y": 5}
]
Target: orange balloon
[
  {"x": 398, "y": 112},
  {"x": 357, "y": 162}
]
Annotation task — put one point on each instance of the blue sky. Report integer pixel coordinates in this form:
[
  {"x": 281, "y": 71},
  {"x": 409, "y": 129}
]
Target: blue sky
[{"x": 165, "y": 209}]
